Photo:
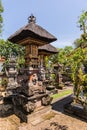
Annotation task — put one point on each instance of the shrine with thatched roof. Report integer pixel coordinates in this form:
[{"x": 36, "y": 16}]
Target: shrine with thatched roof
[
  {"x": 33, "y": 36},
  {"x": 27, "y": 82}
]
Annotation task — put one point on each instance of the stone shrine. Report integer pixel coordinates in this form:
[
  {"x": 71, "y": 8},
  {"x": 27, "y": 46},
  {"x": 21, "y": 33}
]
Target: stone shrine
[
  {"x": 2, "y": 77},
  {"x": 46, "y": 51},
  {"x": 12, "y": 73},
  {"x": 26, "y": 86}
]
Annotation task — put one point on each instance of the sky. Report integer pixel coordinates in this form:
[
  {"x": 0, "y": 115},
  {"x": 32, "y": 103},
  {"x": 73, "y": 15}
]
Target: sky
[{"x": 59, "y": 17}]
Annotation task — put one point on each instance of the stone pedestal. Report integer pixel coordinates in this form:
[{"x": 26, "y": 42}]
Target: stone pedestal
[
  {"x": 38, "y": 114},
  {"x": 35, "y": 117},
  {"x": 6, "y": 109}
]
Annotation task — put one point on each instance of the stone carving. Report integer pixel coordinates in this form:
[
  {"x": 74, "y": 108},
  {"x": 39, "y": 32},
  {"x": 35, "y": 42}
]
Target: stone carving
[
  {"x": 46, "y": 100},
  {"x": 25, "y": 89},
  {"x": 11, "y": 73},
  {"x": 29, "y": 107}
]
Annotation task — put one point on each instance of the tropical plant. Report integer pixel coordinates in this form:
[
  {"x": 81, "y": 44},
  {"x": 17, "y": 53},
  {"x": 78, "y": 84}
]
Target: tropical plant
[
  {"x": 1, "y": 18},
  {"x": 82, "y": 21},
  {"x": 7, "y": 49}
]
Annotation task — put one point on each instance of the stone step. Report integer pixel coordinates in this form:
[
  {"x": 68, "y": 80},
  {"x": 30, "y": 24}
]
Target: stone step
[{"x": 36, "y": 115}]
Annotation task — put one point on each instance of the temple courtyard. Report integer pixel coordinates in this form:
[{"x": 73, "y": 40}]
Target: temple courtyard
[{"x": 56, "y": 119}]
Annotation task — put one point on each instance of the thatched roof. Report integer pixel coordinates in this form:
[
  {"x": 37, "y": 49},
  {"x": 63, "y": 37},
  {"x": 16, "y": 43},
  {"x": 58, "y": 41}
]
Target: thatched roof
[
  {"x": 47, "y": 49},
  {"x": 32, "y": 30}
]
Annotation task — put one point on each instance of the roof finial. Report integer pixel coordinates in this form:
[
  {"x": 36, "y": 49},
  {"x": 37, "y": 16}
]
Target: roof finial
[{"x": 31, "y": 19}]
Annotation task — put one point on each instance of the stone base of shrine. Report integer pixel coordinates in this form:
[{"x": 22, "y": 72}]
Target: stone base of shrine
[
  {"x": 76, "y": 109},
  {"x": 6, "y": 110},
  {"x": 35, "y": 117},
  {"x": 38, "y": 115}
]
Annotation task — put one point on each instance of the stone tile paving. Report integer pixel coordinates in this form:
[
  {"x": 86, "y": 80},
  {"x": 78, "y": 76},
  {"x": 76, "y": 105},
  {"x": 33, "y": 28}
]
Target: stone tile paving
[{"x": 70, "y": 123}]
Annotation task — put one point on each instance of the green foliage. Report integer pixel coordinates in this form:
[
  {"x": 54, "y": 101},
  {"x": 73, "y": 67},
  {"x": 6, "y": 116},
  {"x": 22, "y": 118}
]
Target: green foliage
[
  {"x": 82, "y": 41},
  {"x": 7, "y": 49},
  {"x": 62, "y": 94},
  {"x": 83, "y": 21},
  {"x": 63, "y": 53},
  {"x": 20, "y": 61},
  {"x": 74, "y": 61},
  {"x": 82, "y": 55},
  {"x": 61, "y": 57},
  {"x": 53, "y": 58},
  {"x": 46, "y": 61},
  {"x": 79, "y": 74},
  {"x": 78, "y": 42},
  {"x": 1, "y": 18}
]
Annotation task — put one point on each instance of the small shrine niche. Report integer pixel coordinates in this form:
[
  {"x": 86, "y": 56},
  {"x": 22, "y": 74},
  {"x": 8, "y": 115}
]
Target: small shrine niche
[
  {"x": 31, "y": 57},
  {"x": 48, "y": 75}
]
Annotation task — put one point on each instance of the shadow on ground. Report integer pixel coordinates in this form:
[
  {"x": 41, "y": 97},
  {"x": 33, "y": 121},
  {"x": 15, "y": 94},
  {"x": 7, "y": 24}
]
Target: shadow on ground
[
  {"x": 59, "y": 107},
  {"x": 56, "y": 126},
  {"x": 6, "y": 109}
]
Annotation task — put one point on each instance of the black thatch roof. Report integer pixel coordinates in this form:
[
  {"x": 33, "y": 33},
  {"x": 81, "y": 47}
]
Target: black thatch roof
[
  {"x": 48, "y": 48},
  {"x": 32, "y": 30}
]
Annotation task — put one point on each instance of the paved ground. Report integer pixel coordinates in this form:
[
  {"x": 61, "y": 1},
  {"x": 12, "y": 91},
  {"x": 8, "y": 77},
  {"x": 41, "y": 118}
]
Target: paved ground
[
  {"x": 66, "y": 122},
  {"x": 70, "y": 122}
]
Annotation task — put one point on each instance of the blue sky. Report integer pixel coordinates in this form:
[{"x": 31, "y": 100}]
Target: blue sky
[{"x": 59, "y": 17}]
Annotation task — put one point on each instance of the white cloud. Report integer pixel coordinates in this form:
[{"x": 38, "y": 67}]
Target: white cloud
[{"x": 62, "y": 44}]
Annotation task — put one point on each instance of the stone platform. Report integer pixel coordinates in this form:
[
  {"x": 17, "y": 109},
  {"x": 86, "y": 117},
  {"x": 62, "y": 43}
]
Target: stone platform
[
  {"x": 76, "y": 109},
  {"x": 35, "y": 117}
]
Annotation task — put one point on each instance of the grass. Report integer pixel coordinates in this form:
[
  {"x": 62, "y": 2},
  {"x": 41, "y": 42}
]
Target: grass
[{"x": 62, "y": 94}]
